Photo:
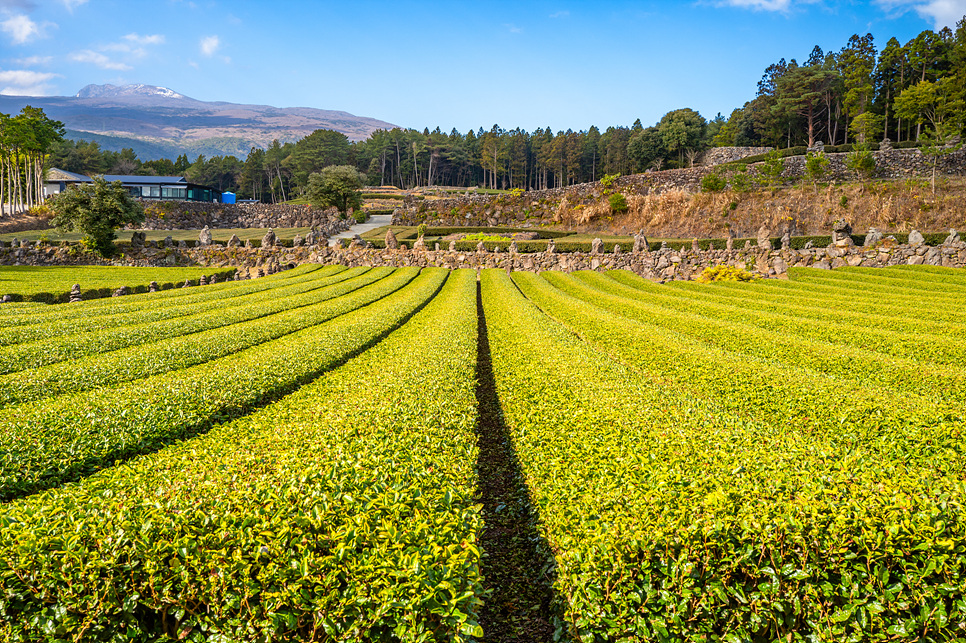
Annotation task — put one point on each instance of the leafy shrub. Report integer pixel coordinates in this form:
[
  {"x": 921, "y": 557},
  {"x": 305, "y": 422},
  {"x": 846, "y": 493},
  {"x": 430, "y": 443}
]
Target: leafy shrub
[
  {"x": 772, "y": 167},
  {"x": 861, "y": 161},
  {"x": 618, "y": 204},
  {"x": 360, "y": 216},
  {"x": 609, "y": 179},
  {"x": 740, "y": 181},
  {"x": 816, "y": 165},
  {"x": 724, "y": 273},
  {"x": 713, "y": 182}
]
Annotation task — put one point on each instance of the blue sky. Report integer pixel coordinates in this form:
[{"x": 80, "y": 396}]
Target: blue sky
[{"x": 421, "y": 64}]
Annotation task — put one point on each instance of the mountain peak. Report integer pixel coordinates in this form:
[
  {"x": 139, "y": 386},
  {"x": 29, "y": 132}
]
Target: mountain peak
[{"x": 108, "y": 91}]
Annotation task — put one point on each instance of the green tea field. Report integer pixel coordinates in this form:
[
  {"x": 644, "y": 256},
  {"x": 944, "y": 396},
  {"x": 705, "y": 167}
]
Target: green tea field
[{"x": 380, "y": 454}]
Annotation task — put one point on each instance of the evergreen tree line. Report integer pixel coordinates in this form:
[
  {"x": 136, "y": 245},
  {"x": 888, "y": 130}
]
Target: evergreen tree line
[{"x": 855, "y": 95}]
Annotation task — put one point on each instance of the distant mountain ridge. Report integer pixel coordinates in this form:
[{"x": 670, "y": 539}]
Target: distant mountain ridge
[
  {"x": 161, "y": 122},
  {"x": 104, "y": 91}
]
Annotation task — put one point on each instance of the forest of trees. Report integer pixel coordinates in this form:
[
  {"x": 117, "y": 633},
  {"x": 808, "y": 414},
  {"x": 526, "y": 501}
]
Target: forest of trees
[{"x": 854, "y": 95}]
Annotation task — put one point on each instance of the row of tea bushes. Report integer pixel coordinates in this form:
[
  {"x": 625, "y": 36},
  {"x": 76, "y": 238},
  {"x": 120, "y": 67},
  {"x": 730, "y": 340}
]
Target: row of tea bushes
[
  {"x": 843, "y": 297},
  {"x": 51, "y": 285},
  {"x": 52, "y": 441},
  {"x": 33, "y": 314},
  {"x": 696, "y": 495},
  {"x": 91, "y": 328},
  {"x": 913, "y": 341},
  {"x": 280, "y": 317},
  {"x": 749, "y": 334},
  {"x": 780, "y": 394},
  {"x": 869, "y": 312},
  {"x": 79, "y": 341},
  {"x": 340, "y": 513}
]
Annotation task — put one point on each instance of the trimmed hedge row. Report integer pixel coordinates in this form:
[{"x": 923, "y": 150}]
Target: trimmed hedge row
[
  {"x": 687, "y": 503},
  {"x": 891, "y": 356},
  {"x": 55, "y": 289},
  {"x": 49, "y": 442},
  {"x": 870, "y": 314},
  {"x": 78, "y": 342},
  {"x": 35, "y": 314},
  {"x": 227, "y": 298},
  {"x": 341, "y": 513},
  {"x": 288, "y": 314}
]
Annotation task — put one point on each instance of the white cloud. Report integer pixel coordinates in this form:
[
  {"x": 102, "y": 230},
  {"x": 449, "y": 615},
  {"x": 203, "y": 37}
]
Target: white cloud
[
  {"x": 99, "y": 59},
  {"x": 33, "y": 61},
  {"x": 73, "y": 4},
  {"x": 154, "y": 39},
  {"x": 783, "y": 6},
  {"x": 22, "y": 29},
  {"x": 22, "y": 5},
  {"x": 942, "y": 13},
  {"x": 560, "y": 14},
  {"x": 513, "y": 28},
  {"x": 209, "y": 45},
  {"x": 20, "y": 82}
]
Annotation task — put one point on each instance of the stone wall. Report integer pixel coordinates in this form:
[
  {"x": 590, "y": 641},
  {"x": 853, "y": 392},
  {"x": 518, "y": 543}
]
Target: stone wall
[
  {"x": 680, "y": 263},
  {"x": 662, "y": 265},
  {"x": 546, "y": 207},
  {"x": 719, "y": 155},
  {"x": 173, "y": 215}
]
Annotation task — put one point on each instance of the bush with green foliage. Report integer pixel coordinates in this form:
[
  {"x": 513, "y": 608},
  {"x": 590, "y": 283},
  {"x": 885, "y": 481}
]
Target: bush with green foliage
[
  {"x": 609, "y": 179},
  {"x": 97, "y": 209},
  {"x": 713, "y": 182},
  {"x": 816, "y": 166},
  {"x": 618, "y": 203},
  {"x": 771, "y": 169},
  {"x": 861, "y": 161},
  {"x": 739, "y": 180},
  {"x": 724, "y": 273}
]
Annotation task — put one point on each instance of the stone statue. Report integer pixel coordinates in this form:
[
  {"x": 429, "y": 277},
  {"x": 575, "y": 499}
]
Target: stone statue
[
  {"x": 269, "y": 239},
  {"x": 842, "y": 234},
  {"x": 764, "y": 240},
  {"x": 873, "y": 238}
]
